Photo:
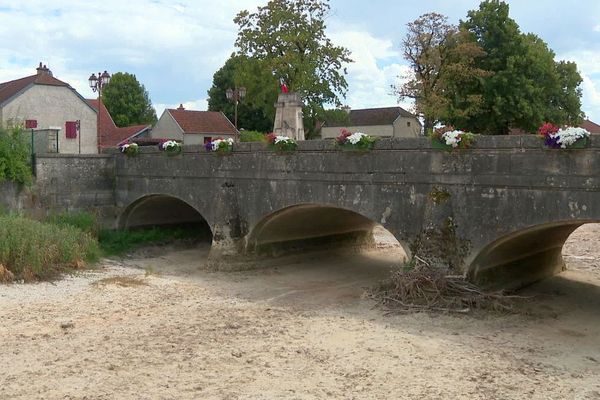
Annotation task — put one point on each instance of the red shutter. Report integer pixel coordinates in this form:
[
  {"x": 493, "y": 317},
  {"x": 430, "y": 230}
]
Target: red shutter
[
  {"x": 30, "y": 123},
  {"x": 71, "y": 129}
]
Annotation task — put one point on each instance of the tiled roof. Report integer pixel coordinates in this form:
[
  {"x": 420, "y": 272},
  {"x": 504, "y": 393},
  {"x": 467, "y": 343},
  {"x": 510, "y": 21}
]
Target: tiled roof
[
  {"x": 110, "y": 135},
  {"x": 372, "y": 116},
  {"x": 11, "y": 88},
  {"x": 212, "y": 122},
  {"x": 590, "y": 126}
]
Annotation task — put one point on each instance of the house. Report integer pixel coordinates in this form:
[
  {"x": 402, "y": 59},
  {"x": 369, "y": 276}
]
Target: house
[
  {"x": 193, "y": 127},
  {"x": 377, "y": 122},
  {"x": 591, "y": 127},
  {"x": 109, "y": 134},
  {"x": 52, "y": 107}
]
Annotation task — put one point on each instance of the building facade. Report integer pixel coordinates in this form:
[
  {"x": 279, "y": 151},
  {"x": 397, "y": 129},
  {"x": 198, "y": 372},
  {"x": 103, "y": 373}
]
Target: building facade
[
  {"x": 50, "y": 106},
  {"x": 377, "y": 122},
  {"x": 193, "y": 127}
]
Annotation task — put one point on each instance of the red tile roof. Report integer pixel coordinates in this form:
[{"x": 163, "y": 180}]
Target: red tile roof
[
  {"x": 110, "y": 135},
  {"x": 211, "y": 122},
  {"x": 11, "y": 88},
  {"x": 590, "y": 126}
]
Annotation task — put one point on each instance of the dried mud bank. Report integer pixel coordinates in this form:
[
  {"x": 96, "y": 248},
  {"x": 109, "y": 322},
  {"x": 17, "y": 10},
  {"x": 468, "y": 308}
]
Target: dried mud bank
[{"x": 159, "y": 328}]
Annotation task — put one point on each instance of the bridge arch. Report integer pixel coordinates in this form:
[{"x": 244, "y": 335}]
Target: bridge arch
[
  {"x": 308, "y": 226},
  {"x": 164, "y": 210},
  {"x": 523, "y": 256}
]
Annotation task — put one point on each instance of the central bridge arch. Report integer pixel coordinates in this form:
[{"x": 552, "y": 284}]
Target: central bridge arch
[{"x": 311, "y": 226}]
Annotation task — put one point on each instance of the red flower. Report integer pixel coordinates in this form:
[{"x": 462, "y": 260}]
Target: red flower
[
  {"x": 547, "y": 129},
  {"x": 271, "y": 137},
  {"x": 343, "y": 136}
]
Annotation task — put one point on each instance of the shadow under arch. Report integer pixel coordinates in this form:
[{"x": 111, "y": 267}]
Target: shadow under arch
[
  {"x": 522, "y": 257},
  {"x": 164, "y": 210},
  {"x": 311, "y": 226}
]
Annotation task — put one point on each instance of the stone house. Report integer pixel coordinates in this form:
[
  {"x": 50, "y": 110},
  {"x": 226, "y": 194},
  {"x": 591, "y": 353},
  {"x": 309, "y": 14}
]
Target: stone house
[
  {"x": 109, "y": 134},
  {"x": 193, "y": 127},
  {"x": 53, "y": 108},
  {"x": 376, "y": 122}
]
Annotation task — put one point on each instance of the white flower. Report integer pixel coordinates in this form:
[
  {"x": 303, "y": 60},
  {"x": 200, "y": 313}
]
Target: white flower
[
  {"x": 355, "y": 137},
  {"x": 452, "y": 138},
  {"x": 281, "y": 139},
  {"x": 170, "y": 144},
  {"x": 569, "y": 135},
  {"x": 217, "y": 142}
]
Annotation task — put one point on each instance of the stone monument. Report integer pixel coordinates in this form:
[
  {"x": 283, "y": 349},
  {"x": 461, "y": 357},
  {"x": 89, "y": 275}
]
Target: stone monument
[{"x": 288, "y": 115}]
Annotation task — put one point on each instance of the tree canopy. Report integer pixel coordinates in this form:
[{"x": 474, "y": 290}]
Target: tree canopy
[
  {"x": 441, "y": 58},
  {"x": 128, "y": 101},
  {"x": 485, "y": 75},
  {"x": 255, "y": 111},
  {"x": 288, "y": 38},
  {"x": 526, "y": 86}
]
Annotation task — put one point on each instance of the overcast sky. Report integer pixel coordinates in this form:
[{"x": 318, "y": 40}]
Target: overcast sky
[{"x": 174, "y": 47}]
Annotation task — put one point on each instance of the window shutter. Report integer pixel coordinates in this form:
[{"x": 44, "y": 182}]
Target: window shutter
[
  {"x": 30, "y": 123},
  {"x": 71, "y": 129}
]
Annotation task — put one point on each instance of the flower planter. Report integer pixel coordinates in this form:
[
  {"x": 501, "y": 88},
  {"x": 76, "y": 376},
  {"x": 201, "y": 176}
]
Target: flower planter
[
  {"x": 579, "y": 144},
  {"x": 356, "y": 142},
  {"x": 438, "y": 144}
]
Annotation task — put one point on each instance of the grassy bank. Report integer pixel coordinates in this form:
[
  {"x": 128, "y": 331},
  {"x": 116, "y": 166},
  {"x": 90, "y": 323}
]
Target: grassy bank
[{"x": 33, "y": 250}]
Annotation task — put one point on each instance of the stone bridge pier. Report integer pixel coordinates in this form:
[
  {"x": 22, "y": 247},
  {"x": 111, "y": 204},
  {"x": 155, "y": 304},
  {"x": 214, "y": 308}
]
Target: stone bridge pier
[{"x": 498, "y": 212}]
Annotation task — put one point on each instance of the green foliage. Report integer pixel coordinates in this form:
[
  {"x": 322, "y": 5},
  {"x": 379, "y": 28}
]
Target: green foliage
[
  {"x": 288, "y": 38},
  {"x": 128, "y": 101},
  {"x": 83, "y": 221},
  {"x": 441, "y": 58},
  {"x": 119, "y": 242},
  {"x": 34, "y": 250},
  {"x": 525, "y": 86},
  {"x": 15, "y": 156},
  {"x": 252, "y": 136},
  {"x": 255, "y": 111}
]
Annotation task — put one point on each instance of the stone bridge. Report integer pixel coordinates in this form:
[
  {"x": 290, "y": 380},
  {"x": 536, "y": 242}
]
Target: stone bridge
[{"x": 498, "y": 212}]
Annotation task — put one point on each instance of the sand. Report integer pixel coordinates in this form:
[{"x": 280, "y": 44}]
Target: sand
[{"x": 162, "y": 328}]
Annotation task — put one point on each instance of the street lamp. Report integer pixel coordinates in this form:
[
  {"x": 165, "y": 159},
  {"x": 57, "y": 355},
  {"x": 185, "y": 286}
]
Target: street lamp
[
  {"x": 235, "y": 95},
  {"x": 98, "y": 83}
]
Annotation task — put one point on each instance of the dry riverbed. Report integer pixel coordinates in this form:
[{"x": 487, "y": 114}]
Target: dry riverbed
[{"x": 160, "y": 328}]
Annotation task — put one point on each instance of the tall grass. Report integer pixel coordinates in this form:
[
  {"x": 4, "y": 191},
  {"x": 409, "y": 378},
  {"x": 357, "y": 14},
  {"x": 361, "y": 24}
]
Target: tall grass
[
  {"x": 33, "y": 250},
  {"x": 84, "y": 221}
]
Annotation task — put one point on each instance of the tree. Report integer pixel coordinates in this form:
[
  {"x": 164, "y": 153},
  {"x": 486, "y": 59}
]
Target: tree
[
  {"x": 127, "y": 100},
  {"x": 441, "y": 58},
  {"x": 288, "y": 37},
  {"x": 526, "y": 86},
  {"x": 255, "y": 111}
]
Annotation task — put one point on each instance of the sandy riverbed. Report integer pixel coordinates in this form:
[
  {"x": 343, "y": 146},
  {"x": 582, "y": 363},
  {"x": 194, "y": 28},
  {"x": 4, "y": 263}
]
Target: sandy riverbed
[{"x": 159, "y": 328}]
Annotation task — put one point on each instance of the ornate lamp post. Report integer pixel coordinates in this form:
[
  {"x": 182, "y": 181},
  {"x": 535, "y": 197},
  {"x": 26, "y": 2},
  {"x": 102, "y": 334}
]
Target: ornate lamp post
[
  {"x": 235, "y": 95},
  {"x": 98, "y": 83}
]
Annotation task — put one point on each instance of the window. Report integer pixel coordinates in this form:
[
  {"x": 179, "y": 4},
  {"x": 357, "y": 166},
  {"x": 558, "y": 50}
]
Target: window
[
  {"x": 408, "y": 123},
  {"x": 207, "y": 139},
  {"x": 71, "y": 128}
]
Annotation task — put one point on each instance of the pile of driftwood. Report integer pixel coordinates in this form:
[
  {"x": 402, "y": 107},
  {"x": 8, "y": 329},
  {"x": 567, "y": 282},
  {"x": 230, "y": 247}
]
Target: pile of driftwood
[{"x": 421, "y": 287}]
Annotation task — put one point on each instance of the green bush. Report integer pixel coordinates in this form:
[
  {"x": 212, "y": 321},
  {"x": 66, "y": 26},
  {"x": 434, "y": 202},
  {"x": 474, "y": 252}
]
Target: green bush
[
  {"x": 118, "y": 242},
  {"x": 15, "y": 156},
  {"x": 84, "y": 221},
  {"x": 33, "y": 250},
  {"x": 252, "y": 136}
]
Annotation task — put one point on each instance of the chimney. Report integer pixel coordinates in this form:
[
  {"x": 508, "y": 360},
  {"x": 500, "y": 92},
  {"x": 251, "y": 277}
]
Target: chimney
[
  {"x": 43, "y": 70},
  {"x": 181, "y": 108}
]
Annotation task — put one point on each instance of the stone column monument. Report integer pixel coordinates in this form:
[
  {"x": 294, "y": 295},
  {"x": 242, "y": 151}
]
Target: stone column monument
[{"x": 288, "y": 116}]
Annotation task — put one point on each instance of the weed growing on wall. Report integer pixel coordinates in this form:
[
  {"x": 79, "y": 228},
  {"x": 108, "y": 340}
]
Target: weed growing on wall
[{"x": 15, "y": 156}]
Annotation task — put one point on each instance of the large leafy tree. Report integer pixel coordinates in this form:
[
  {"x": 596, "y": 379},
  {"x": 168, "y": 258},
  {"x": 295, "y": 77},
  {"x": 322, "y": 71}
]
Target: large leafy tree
[
  {"x": 526, "y": 86},
  {"x": 441, "y": 58},
  {"x": 255, "y": 111},
  {"x": 288, "y": 38},
  {"x": 128, "y": 101}
]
